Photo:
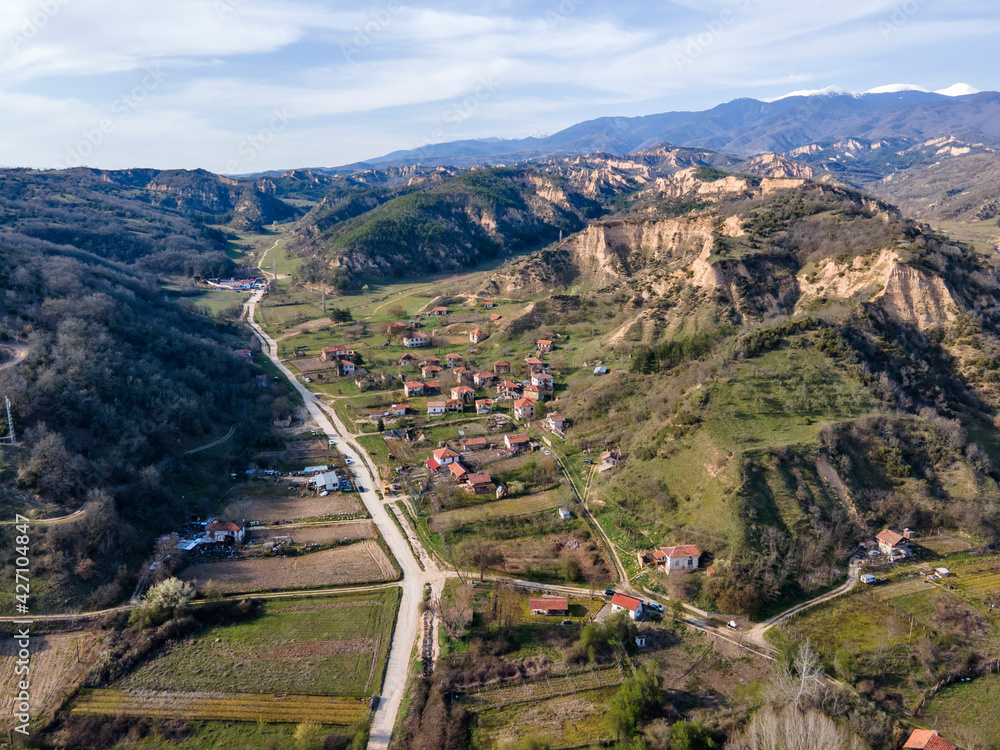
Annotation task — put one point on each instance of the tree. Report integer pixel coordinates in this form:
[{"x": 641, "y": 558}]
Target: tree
[
  {"x": 634, "y": 701},
  {"x": 308, "y": 736},
  {"x": 693, "y": 735},
  {"x": 482, "y": 556},
  {"x": 791, "y": 726},
  {"x": 164, "y": 600},
  {"x": 570, "y": 569},
  {"x": 397, "y": 311}
]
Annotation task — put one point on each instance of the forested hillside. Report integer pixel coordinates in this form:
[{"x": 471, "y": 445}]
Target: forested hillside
[{"x": 110, "y": 384}]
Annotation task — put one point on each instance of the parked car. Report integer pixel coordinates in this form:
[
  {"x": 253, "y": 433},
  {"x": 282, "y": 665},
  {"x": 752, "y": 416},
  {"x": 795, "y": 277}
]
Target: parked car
[
  {"x": 609, "y": 592},
  {"x": 655, "y": 605}
]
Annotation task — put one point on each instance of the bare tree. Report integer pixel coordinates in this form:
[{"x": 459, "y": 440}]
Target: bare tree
[
  {"x": 793, "y": 727},
  {"x": 799, "y": 681}
]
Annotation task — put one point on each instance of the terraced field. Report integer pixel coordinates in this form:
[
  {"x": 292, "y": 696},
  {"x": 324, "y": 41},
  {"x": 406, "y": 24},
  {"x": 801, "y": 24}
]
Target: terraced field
[
  {"x": 517, "y": 506},
  {"x": 208, "y": 706}
]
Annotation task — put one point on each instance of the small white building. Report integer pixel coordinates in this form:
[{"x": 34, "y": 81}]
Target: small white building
[
  {"x": 436, "y": 408},
  {"x": 679, "y": 559},
  {"x": 564, "y": 514},
  {"x": 416, "y": 339}
]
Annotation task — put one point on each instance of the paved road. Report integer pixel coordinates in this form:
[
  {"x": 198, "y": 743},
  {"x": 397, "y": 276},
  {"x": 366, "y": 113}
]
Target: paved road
[{"x": 408, "y": 625}]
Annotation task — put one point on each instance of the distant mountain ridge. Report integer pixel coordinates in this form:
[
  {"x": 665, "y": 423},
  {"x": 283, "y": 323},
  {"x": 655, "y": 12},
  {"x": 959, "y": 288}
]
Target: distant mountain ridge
[{"x": 743, "y": 126}]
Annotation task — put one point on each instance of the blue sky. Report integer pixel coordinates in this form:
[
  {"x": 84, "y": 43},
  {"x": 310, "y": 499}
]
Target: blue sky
[{"x": 247, "y": 85}]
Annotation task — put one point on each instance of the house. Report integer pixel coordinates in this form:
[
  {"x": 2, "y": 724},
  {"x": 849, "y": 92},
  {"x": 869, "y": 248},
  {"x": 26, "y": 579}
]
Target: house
[
  {"x": 347, "y": 367},
  {"x": 501, "y": 367},
  {"x": 439, "y": 311},
  {"x": 564, "y": 514},
  {"x": 436, "y": 408},
  {"x": 406, "y": 360},
  {"x": 625, "y": 603},
  {"x": 414, "y": 339},
  {"x": 326, "y": 482},
  {"x": 534, "y": 363},
  {"x": 458, "y": 471},
  {"x": 601, "y": 370},
  {"x": 476, "y": 336},
  {"x": 516, "y": 442},
  {"x": 543, "y": 380},
  {"x": 430, "y": 359},
  {"x": 556, "y": 421},
  {"x": 430, "y": 386},
  {"x": 533, "y": 392},
  {"x": 508, "y": 388},
  {"x": 927, "y": 739},
  {"x": 330, "y": 353},
  {"x": 413, "y": 388},
  {"x": 543, "y": 345},
  {"x": 454, "y": 359},
  {"x": 495, "y": 317},
  {"x": 609, "y": 460},
  {"x": 455, "y": 405},
  {"x": 464, "y": 393},
  {"x": 483, "y": 378},
  {"x": 524, "y": 408},
  {"x": 224, "y": 531},
  {"x": 549, "y": 605},
  {"x": 479, "y": 484},
  {"x": 678, "y": 559},
  {"x": 891, "y": 543},
  {"x": 489, "y": 304},
  {"x": 484, "y": 406},
  {"x": 446, "y": 456},
  {"x": 475, "y": 444},
  {"x": 398, "y": 410},
  {"x": 374, "y": 416},
  {"x": 429, "y": 371},
  {"x": 464, "y": 375}
]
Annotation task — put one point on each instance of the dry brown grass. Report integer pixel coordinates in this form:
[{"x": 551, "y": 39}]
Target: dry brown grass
[
  {"x": 364, "y": 562},
  {"x": 55, "y": 670},
  {"x": 285, "y": 507}
]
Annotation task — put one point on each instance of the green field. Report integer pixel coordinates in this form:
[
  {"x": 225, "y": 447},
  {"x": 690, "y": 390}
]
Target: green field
[
  {"x": 970, "y": 705},
  {"x": 512, "y": 507},
  {"x": 224, "y": 735},
  {"x": 336, "y": 646}
]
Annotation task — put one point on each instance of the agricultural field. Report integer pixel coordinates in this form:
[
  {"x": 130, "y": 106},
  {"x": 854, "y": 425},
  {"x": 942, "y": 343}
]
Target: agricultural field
[
  {"x": 967, "y": 706},
  {"x": 217, "y": 706},
  {"x": 58, "y": 662},
  {"x": 944, "y": 544},
  {"x": 269, "y": 503},
  {"x": 509, "y": 508},
  {"x": 319, "y": 646},
  {"x": 362, "y": 562},
  {"x": 322, "y": 535},
  {"x": 978, "y": 580}
]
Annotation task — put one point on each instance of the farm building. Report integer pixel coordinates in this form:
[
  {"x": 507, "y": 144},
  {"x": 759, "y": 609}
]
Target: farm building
[
  {"x": 465, "y": 375},
  {"x": 477, "y": 336},
  {"x": 430, "y": 359},
  {"x": 534, "y": 363},
  {"x": 463, "y": 393},
  {"x": 516, "y": 442},
  {"x": 501, "y": 367},
  {"x": 556, "y": 421},
  {"x": 406, "y": 360},
  {"x": 543, "y": 345},
  {"x": 398, "y": 410},
  {"x": 429, "y": 371},
  {"x": 446, "y": 456},
  {"x": 543, "y": 380},
  {"x": 439, "y": 311},
  {"x": 892, "y": 543},
  {"x": 413, "y": 388},
  {"x": 549, "y": 605},
  {"x": 475, "y": 444},
  {"x": 328, "y": 481},
  {"x": 480, "y": 484},
  {"x": 927, "y": 739},
  {"x": 436, "y": 408},
  {"x": 454, "y": 360},
  {"x": 224, "y": 531},
  {"x": 484, "y": 406},
  {"x": 679, "y": 559},
  {"x": 458, "y": 471},
  {"x": 609, "y": 460},
  {"x": 347, "y": 367},
  {"x": 489, "y": 304},
  {"x": 564, "y": 514},
  {"x": 533, "y": 392},
  {"x": 416, "y": 339},
  {"x": 456, "y": 405},
  {"x": 508, "y": 388},
  {"x": 330, "y": 353},
  {"x": 625, "y": 603}
]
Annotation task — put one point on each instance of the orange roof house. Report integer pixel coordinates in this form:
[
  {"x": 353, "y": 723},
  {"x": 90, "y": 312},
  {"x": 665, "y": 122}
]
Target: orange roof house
[{"x": 927, "y": 739}]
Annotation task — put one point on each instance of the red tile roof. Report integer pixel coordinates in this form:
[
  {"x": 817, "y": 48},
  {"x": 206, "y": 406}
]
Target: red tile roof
[
  {"x": 457, "y": 469},
  {"x": 475, "y": 441},
  {"x": 927, "y": 739},
  {"x": 682, "y": 550},
  {"x": 628, "y": 602},
  {"x": 523, "y": 402},
  {"x": 443, "y": 453},
  {"x": 549, "y": 603},
  {"x": 892, "y": 538}
]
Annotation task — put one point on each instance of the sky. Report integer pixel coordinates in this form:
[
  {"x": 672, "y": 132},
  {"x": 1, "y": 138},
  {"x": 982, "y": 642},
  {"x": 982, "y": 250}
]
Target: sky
[{"x": 239, "y": 86}]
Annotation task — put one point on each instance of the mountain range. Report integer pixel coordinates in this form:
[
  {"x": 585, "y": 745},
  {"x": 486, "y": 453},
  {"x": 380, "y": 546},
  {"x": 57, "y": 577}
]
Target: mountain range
[{"x": 743, "y": 126}]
